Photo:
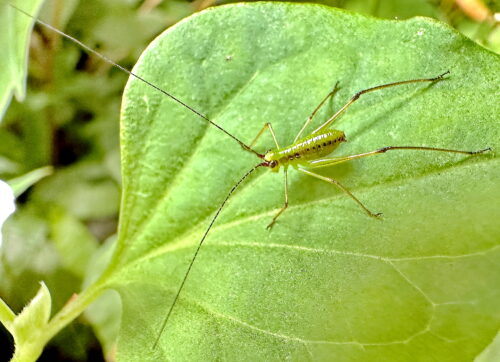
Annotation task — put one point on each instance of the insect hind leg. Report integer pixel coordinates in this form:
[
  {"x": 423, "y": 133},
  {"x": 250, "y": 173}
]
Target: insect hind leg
[
  {"x": 355, "y": 97},
  {"x": 336, "y": 160}
]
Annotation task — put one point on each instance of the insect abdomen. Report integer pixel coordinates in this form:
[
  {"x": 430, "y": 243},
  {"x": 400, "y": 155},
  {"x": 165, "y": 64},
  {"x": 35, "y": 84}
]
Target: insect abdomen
[{"x": 310, "y": 147}]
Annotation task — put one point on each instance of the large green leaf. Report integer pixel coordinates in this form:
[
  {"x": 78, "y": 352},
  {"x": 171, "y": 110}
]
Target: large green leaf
[{"x": 327, "y": 283}]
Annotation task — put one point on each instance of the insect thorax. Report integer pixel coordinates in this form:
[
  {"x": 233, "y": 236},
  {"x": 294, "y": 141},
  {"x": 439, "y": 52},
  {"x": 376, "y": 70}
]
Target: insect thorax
[{"x": 308, "y": 148}]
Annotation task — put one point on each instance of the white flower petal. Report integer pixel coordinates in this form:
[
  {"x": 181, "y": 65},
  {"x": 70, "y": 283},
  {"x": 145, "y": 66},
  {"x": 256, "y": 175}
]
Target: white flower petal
[{"x": 7, "y": 205}]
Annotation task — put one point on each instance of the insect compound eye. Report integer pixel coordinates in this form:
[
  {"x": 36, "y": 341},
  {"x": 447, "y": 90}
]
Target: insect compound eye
[{"x": 273, "y": 164}]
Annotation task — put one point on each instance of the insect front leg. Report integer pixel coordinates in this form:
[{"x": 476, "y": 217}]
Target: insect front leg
[{"x": 285, "y": 204}]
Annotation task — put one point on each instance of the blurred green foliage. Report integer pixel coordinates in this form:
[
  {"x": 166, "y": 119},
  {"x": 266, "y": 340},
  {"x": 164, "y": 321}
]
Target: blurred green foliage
[{"x": 70, "y": 120}]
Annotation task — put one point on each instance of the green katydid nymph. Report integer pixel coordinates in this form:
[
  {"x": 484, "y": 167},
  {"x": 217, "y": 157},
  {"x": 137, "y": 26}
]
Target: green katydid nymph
[{"x": 305, "y": 153}]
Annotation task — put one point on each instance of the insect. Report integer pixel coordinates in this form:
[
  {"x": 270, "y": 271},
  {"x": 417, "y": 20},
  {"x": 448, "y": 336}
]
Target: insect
[{"x": 305, "y": 153}]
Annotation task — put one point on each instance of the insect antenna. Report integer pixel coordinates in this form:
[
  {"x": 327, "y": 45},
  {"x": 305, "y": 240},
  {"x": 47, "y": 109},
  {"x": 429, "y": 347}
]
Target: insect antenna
[
  {"x": 130, "y": 73},
  {"x": 235, "y": 186}
]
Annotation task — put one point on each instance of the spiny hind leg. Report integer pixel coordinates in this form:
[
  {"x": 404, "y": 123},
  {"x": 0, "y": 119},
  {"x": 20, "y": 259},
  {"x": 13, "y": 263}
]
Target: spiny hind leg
[
  {"x": 372, "y": 89},
  {"x": 336, "y": 160},
  {"x": 343, "y": 188},
  {"x": 285, "y": 205}
]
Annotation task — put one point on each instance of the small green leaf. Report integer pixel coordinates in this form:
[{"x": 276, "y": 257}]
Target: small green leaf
[
  {"x": 15, "y": 40},
  {"x": 21, "y": 183},
  {"x": 7, "y": 316},
  {"x": 34, "y": 316},
  {"x": 30, "y": 324},
  {"x": 327, "y": 282}
]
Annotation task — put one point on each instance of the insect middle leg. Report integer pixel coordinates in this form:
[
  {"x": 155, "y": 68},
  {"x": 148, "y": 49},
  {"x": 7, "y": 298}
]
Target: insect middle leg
[{"x": 343, "y": 188}]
